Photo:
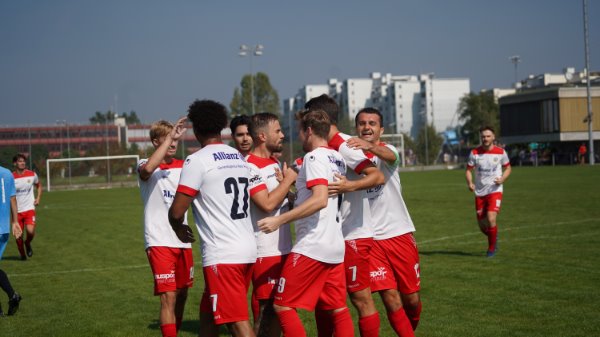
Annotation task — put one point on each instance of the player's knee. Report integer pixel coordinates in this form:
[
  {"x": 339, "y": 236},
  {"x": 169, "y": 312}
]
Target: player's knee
[
  {"x": 391, "y": 300},
  {"x": 411, "y": 301},
  {"x": 168, "y": 299},
  {"x": 362, "y": 300}
]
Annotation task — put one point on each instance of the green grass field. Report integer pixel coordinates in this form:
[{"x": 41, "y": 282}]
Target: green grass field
[{"x": 89, "y": 275}]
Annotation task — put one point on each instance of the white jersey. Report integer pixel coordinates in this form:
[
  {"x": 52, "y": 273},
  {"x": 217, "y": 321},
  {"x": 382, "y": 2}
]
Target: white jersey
[
  {"x": 278, "y": 242},
  {"x": 157, "y": 194},
  {"x": 488, "y": 166},
  {"x": 355, "y": 210},
  {"x": 24, "y": 185},
  {"x": 218, "y": 178},
  {"x": 319, "y": 236},
  {"x": 388, "y": 210}
]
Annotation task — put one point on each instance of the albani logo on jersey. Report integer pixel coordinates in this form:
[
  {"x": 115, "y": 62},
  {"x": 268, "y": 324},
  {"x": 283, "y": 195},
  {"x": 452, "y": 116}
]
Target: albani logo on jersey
[{"x": 225, "y": 156}]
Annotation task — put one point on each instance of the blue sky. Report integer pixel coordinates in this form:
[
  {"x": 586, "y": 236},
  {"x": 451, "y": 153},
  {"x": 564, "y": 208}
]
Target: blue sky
[{"x": 66, "y": 59}]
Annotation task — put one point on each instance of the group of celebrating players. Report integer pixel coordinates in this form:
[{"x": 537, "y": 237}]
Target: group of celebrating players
[{"x": 353, "y": 232}]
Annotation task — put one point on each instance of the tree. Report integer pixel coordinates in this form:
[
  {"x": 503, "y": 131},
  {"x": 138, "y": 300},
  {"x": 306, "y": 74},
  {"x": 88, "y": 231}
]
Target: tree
[
  {"x": 429, "y": 143},
  {"x": 477, "y": 110},
  {"x": 266, "y": 98},
  {"x": 102, "y": 118}
]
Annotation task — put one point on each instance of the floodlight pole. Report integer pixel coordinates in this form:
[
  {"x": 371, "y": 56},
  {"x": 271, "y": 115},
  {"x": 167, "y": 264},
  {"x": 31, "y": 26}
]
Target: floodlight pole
[
  {"x": 516, "y": 59},
  {"x": 589, "y": 96},
  {"x": 251, "y": 52}
]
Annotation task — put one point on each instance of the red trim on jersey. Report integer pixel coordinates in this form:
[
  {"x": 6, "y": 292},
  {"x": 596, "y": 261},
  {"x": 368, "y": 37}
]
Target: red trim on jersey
[
  {"x": 493, "y": 150},
  {"x": 299, "y": 161},
  {"x": 26, "y": 173},
  {"x": 175, "y": 163},
  {"x": 257, "y": 189},
  {"x": 369, "y": 155},
  {"x": 506, "y": 165},
  {"x": 336, "y": 141},
  {"x": 318, "y": 181},
  {"x": 187, "y": 190},
  {"x": 261, "y": 162},
  {"x": 362, "y": 166}
]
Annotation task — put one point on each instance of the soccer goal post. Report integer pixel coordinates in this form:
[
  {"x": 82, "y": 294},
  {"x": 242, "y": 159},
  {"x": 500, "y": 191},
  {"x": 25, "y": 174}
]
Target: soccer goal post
[
  {"x": 90, "y": 172},
  {"x": 396, "y": 139}
]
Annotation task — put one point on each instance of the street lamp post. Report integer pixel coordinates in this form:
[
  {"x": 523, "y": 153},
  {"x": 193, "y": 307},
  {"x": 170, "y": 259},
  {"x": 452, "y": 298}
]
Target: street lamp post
[
  {"x": 65, "y": 123},
  {"x": 251, "y": 52}
]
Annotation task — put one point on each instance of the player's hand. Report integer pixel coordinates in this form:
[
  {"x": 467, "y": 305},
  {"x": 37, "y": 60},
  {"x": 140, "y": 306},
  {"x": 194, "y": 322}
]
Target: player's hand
[
  {"x": 359, "y": 144},
  {"x": 268, "y": 224},
  {"x": 16, "y": 230},
  {"x": 179, "y": 129},
  {"x": 472, "y": 187},
  {"x": 278, "y": 174},
  {"x": 499, "y": 180},
  {"x": 289, "y": 174},
  {"x": 36, "y": 202},
  {"x": 184, "y": 233},
  {"x": 339, "y": 186}
]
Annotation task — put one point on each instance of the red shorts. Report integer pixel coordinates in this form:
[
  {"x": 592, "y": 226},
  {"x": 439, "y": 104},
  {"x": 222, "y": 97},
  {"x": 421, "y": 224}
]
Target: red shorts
[
  {"x": 488, "y": 203},
  {"x": 26, "y": 218},
  {"x": 266, "y": 275},
  {"x": 225, "y": 292},
  {"x": 356, "y": 264},
  {"x": 173, "y": 268},
  {"x": 308, "y": 284},
  {"x": 395, "y": 264}
]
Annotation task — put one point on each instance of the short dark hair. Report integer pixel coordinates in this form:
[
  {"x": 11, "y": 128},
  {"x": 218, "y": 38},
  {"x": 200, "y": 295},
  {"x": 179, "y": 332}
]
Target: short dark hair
[
  {"x": 486, "y": 127},
  {"x": 208, "y": 117},
  {"x": 19, "y": 156},
  {"x": 369, "y": 111},
  {"x": 317, "y": 120},
  {"x": 240, "y": 120},
  {"x": 327, "y": 104},
  {"x": 260, "y": 121}
]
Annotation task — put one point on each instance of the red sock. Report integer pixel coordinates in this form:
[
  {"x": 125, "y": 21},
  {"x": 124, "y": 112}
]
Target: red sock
[
  {"x": 342, "y": 323},
  {"x": 168, "y": 330},
  {"x": 369, "y": 326},
  {"x": 324, "y": 323},
  {"x": 29, "y": 238},
  {"x": 20, "y": 246},
  {"x": 414, "y": 315},
  {"x": 291, "y": 326},
  {"x": 400, "y": 323},
  {"x": 492, "y": 237}
]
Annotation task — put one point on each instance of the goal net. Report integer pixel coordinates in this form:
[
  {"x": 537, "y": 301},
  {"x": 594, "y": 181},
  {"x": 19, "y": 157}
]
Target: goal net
[
  {"x": 91, "y": 172},
  {"x": 396, "y": 139}
]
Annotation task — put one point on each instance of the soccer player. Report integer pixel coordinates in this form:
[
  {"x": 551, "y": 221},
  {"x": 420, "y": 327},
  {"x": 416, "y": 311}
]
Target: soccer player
[
  {"x": 273, "y": 248},
  {"x": 25, "y": 181},
  {"x": 171, "y": 260},
  {"x": 313, "y": 275},
  {"x": 492, "y": 168},
  {"x": 216, "y": 181},
  {"x": 395, "y": 272},
  {"x": 356, "y": 219},
  {"x": 240, "y": 132},
  {"x": 8, "y": 215}
]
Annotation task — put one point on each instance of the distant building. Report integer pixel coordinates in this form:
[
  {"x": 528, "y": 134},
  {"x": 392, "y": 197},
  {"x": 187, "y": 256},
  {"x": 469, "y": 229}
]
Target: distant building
[{"x": 406, "y": 102}]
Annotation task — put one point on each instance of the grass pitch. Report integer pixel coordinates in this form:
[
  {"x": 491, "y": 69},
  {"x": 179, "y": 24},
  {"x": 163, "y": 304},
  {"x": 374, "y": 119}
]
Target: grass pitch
[{"x": 89, "y": 275}]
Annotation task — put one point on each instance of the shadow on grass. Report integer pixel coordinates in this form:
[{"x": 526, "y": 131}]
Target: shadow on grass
[
  {"x": 448, "y": 252},
  {"x": 192, "y": 326},
  {"x": 12, "y": 258}
]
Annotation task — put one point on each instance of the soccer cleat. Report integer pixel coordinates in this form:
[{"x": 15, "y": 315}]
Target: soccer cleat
[
  {"x": 29, "y": 250},
  {"x": 13, "y": 304},
  {"x": 23, "y": 258},
  {"x": 492, "y": 253}
]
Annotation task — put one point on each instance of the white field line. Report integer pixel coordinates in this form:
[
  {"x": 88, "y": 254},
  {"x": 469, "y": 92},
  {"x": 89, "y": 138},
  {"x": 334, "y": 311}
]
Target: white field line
[{"x": 420, "y": 244}]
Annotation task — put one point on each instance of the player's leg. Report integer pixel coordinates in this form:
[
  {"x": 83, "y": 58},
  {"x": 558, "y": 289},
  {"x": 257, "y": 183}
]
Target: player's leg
[
  {"x": 20, "y": 241},
  {"x": 493, "y": 208},
  {"x": 333, "y": 300},
  {"x": 13, "y": 297},
  {"x": 268, "y": 323},
  {"x": 162, "y": 262},
  {"x": 412, "y": 306},
  {"x": 184, "y": 275},
  {"x": 356, "y": 264},
  {"x": 168, "y": 325},
  {"x": 30, "y": 227},
  {"x": 208, "y": 327},
  {"x": 266, "y": 273},
  {"x": 395, "y": 311}
]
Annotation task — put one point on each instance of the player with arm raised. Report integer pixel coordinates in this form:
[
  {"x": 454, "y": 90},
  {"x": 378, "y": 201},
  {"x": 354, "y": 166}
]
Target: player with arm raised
[
  {"x": 488, "y": 162},
  {"x": 170, "y": 259},
  {"x": 313, "y": 274},
  {"x": 215, "y": 180},
  {"x": 25, "y": 182},
  {"x": 273, "y": 248},
  {"x": 395, "y": 272},
  {"x": 355, "y": 217}
]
